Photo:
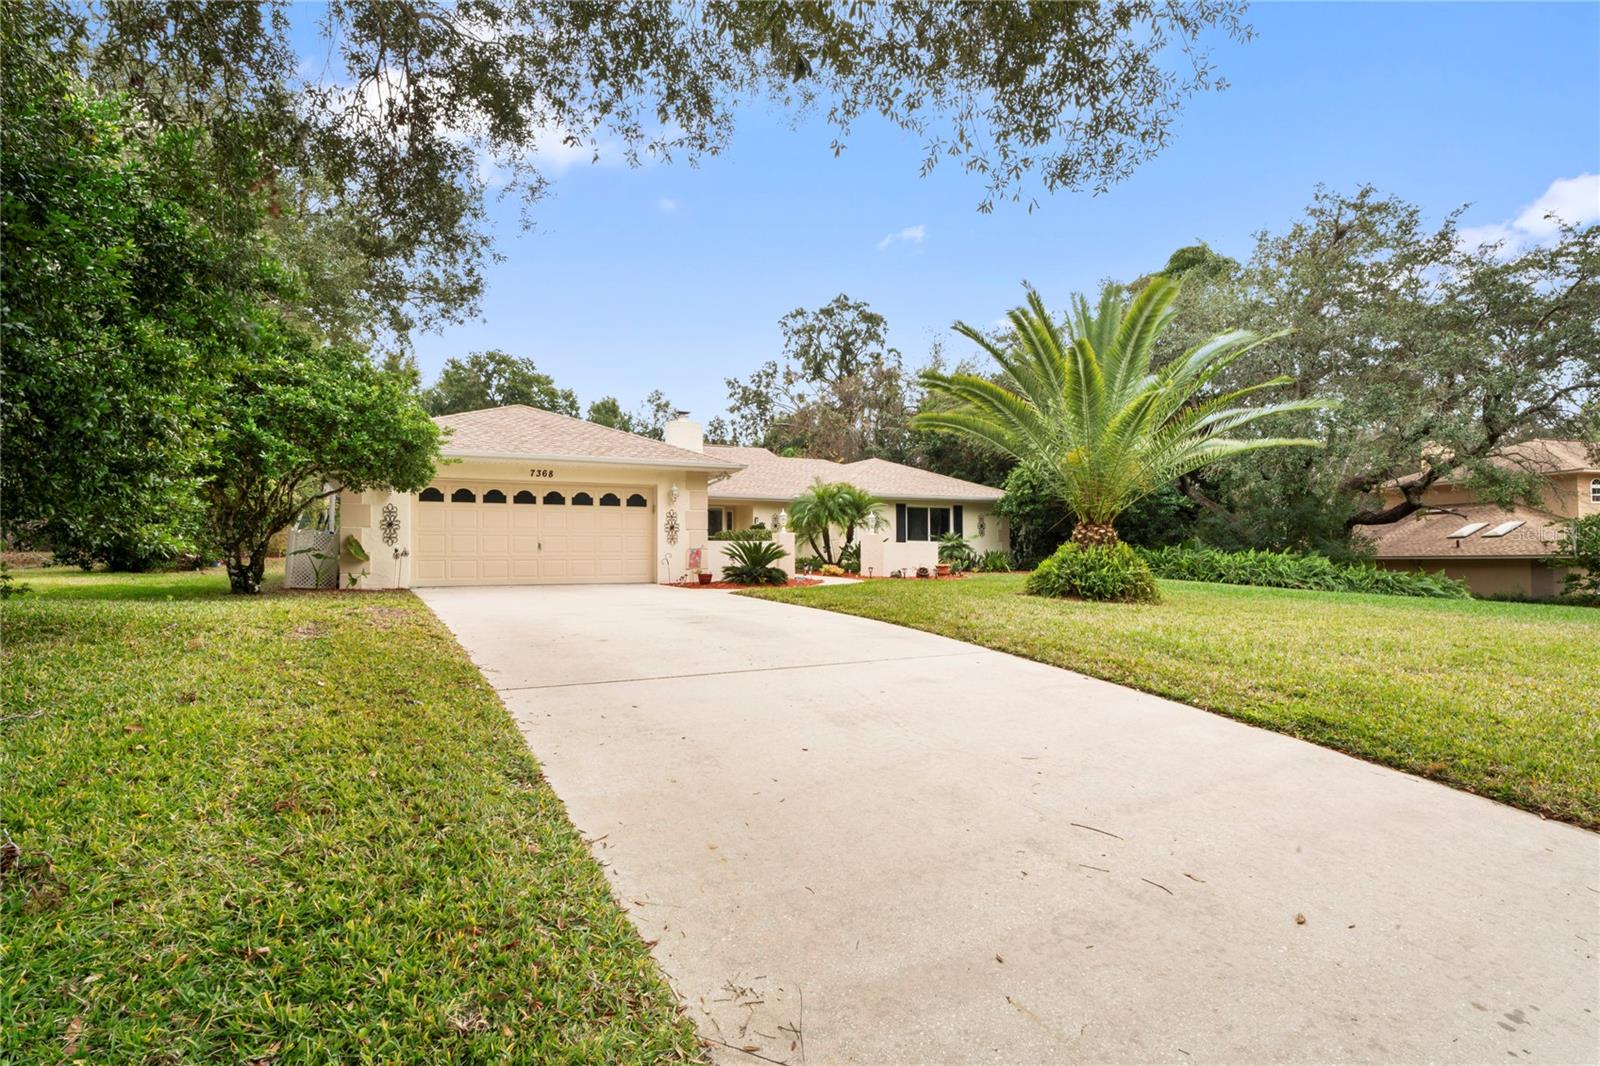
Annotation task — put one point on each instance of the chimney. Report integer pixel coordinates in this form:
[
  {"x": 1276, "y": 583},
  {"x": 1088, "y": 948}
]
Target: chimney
[{"x": 684, "y": 432}]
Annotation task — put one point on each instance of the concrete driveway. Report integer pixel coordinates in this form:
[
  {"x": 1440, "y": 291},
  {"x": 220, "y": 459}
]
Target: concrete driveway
[{"x": 854, "y": 842}]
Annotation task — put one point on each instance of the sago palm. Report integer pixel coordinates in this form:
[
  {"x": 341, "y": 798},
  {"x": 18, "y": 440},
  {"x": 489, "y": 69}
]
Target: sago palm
[
  {"x": 824, "y": 507},
  {"x": 1087, "y": 407}
]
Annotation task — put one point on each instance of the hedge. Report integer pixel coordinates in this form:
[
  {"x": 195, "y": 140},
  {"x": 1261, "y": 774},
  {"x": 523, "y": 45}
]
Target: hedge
[{"x": 1288, "y": 570}]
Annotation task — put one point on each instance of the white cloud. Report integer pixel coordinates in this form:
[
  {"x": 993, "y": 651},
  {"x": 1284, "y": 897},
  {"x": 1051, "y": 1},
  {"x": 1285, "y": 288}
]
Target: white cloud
[
  {"x": 667, "y": 205},
  {"x": 910, "y": 235},
  {"x": 1571, "y": 200}
]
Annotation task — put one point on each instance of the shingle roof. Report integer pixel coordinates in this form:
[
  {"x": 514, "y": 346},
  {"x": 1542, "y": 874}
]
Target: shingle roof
[
  {"x": 773, "y": 477},
  {"x": 1543, "y": 455},
  {"x": 522, "y": 432},
  {"x": 1426, "y": 535}
]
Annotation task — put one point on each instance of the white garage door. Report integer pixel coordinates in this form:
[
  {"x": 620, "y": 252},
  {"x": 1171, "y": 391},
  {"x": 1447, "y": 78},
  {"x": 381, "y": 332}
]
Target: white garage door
[{"x": 510, "y": 533}]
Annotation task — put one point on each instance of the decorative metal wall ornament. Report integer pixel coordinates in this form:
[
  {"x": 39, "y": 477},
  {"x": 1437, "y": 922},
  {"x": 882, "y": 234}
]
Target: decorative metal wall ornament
[
  {"x": 389, "y": 525},
  {"x": 980, "y": 525},
  {"x": 671, "y": 527}
]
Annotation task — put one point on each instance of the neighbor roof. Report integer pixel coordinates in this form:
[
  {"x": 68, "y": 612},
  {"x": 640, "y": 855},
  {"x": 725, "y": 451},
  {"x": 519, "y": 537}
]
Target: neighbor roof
[
  {"x": 774, "y": 477},
  {"x": 1543, "y": 455},
  {"x": 1426, "y": 535},
  {"x": 518, "y": 431}
]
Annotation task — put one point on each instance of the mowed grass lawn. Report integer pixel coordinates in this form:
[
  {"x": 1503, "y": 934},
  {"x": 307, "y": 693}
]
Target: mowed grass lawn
[
  {"x": 1501, "y": 699},
  {"x": 293, "y": 828}
]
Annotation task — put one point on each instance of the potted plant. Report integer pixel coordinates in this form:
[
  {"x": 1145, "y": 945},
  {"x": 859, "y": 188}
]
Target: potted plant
[
  {"x": 704, "y": 576},
  {"x": 942, "y": 569}
]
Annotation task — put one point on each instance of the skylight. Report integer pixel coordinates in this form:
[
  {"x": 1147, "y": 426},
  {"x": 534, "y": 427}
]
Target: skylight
[
  {"x": 1503, "y": 528},
  {"x": 1469, "y": 529}
]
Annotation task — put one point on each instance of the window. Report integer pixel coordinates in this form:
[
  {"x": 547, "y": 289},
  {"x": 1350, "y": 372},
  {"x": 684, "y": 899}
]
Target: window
[
  {"x": 555, "y": 499},
  {"x": 1468, "y": 530},
  {"x": 1503, "y": 528},
  {"x": 523, "y": 497},
  {"x": 718, "y": 520},
  {"x": 582, "y": 499},
  {"x": 610, "y": 500},
  {"x": 637, "y": 500},
  {"x": 494, "y": 496},
  {"x": 431, "y": 495},
  {"x": 463, "y": 496},
  {"x": 1594, "y": 491},
  {"x": 926, "y": 523}
]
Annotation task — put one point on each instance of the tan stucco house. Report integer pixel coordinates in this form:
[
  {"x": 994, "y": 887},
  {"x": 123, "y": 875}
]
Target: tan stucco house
[
  {"x": 526, "y": 496},
  {"x": 1495, "y": 550}
]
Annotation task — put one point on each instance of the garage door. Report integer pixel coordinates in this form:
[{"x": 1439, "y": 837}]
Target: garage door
[{"x": 509, "y": 533}]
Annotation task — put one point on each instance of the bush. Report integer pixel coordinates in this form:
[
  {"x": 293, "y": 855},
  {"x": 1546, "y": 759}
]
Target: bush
[
  {"x": 752, "y": 563},
  {"x": 1579, "y": 549},
  {"x": 1095, "y": 572},
  {"x": 808, "y": 562},
  {"x": 955, "y": 552},
  {"x": 850, "y": 557},
  {"x": 753, "y": 533},
  {"x": 1289, "y": 570},
  {"x": 996, "y": 561},
  {"x": 829, "y": 570}
]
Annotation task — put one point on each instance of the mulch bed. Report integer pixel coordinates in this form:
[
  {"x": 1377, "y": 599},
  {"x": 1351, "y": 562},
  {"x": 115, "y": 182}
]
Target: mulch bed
[{"x": 793, "y": 583}]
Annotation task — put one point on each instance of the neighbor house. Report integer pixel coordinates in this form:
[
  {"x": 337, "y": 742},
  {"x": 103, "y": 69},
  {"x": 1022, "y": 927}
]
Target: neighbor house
[
  {"x": 526, "y": 496},
  {"x": 1495, "y": 550}
]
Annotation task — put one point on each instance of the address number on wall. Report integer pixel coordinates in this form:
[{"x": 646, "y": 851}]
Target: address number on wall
[{"x": 541, "y": 472}]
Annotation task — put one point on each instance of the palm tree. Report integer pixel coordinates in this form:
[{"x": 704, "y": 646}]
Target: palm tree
[
  {"x": 1092, "y": 413},
  {"x": 824, "y": 507}
]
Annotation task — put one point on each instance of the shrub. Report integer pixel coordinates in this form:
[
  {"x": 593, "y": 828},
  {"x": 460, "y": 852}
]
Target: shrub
[
  {"x": 752, "y": 563},
  {"x": 829, "y": 570},
  {"x": 955, "y": 552},
  {"x": 1095, "y": 572},
  {"x": 996, "y": 561},
  {"x": 850, "y": 557},
  {"x": 1579, "y": 550},
  {"x": 1289, "y": 570},
  {"x": 753, "y": 533},
  {"x": 808, "y": 562}
]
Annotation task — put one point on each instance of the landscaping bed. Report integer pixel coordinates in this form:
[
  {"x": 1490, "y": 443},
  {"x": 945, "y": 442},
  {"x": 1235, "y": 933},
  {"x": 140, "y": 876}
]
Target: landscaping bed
[
  {"x": 1494, "y": 698},
  {"x": 792, "y": 583},
  {"x": 290, "y": 828}
]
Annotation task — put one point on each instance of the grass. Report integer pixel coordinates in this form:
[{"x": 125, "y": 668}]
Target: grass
[
  {"x": 293, "y": 828},
  {"x": 1495, "y": 698}
]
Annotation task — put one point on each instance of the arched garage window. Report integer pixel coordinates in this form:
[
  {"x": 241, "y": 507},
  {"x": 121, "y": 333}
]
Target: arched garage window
[
  {"x": 431, "y": 495},
  {"x": 494, "y": 496},
  {"x": 582, "y": 499},
  {"x": 554, "y": 498},
  {"x": 463, "y": 496},
  {"x": 610, "y": 500},
  {"x": 523, "y": 497},
  {"x": 636, "y": 500}
]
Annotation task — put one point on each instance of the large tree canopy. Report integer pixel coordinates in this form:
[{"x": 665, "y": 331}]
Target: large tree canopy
[
  {"x": 408, "y": 108},
  {"x": 1439, "y": 352},
  {"x": 495, "y": 379}
]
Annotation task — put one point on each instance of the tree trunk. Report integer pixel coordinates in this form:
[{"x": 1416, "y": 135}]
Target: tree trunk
[
  {"x": 246, "y": 570},
  {"x": 1092, "y": 535},
  {"x": 827, "y": 547}
]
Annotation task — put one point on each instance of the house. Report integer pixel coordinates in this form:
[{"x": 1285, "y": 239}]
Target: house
[
  {"x": 526, "y": 496},
  {"x": 919, "y": 505},
  {"x": 1495, "y": 550}
]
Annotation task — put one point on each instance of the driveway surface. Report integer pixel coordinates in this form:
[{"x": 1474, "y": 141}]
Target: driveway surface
[{"x": 854, "y": 842}]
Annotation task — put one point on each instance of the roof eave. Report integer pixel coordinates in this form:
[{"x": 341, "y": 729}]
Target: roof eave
[{"x": 599, "y": 460}]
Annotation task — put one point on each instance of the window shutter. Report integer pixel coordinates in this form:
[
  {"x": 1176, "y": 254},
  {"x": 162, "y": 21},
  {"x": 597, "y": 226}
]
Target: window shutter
[
  {"x": 955, "y": 518},
  {"x": 900, "y": 523}
]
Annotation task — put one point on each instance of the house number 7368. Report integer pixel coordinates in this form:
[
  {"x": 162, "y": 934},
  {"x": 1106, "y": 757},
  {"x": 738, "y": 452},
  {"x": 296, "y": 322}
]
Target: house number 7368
[{"x": 540, "y": 472}]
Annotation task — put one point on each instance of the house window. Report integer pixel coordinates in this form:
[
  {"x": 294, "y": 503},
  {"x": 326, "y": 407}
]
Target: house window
[
  {"x": 1594, "y": 491},
  {"x": 637, "y": 500},
  {"x": 927, "y": 523},
  {"x": 431, "y": 495},
  {"x": 582, "y": 499},
  {"x": 523, "y": 497},
  {"x": 554, "y": 499},
  {"x": 463, "y": 496},
  {"x": 494, "y": 496},
  {"x": 610, "y": 500},
  {"x": 718, "y": 520}
]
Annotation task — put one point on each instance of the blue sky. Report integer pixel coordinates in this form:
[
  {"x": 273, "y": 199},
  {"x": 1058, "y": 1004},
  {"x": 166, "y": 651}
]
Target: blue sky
[{"x": 674, "y": 277}]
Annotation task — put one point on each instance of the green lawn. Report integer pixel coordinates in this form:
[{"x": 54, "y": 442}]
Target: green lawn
[
  {"x": 1497, "y": 698},
  {"x": 295, "y": 828}
]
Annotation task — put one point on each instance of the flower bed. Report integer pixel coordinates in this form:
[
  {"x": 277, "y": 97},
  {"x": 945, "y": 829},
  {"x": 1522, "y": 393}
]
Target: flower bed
[{"x": 793, "y": 583}]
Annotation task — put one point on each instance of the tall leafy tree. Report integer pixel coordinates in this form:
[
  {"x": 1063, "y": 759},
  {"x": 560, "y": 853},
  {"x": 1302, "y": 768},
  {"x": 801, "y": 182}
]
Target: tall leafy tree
[
  {"x": 1440, "y": 352},
  {"x": 1090, "y": 412},
  {"x": 650, "y": 420},
  {"x": 495, "y": 379}
]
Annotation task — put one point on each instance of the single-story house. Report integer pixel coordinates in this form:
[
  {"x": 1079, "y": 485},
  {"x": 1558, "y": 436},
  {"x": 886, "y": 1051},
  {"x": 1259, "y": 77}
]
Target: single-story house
[
  {"x": 526, "y": 496},
  {"x": 1495, "y": 550}
]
